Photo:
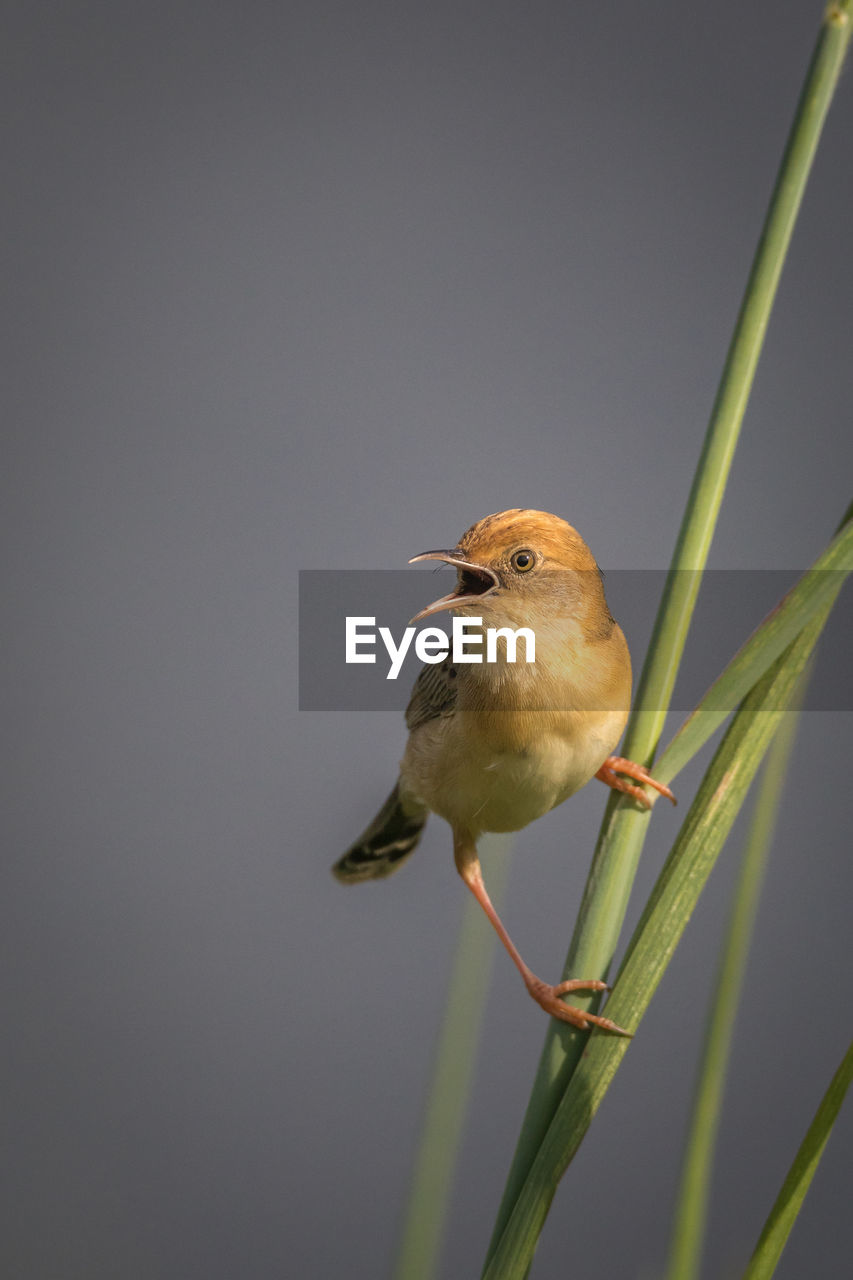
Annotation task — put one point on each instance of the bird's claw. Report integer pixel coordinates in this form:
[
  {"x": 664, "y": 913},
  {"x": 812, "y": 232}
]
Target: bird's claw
[
  {"x": 548, "y": 998},
  {"x": 615, "y": 765}
]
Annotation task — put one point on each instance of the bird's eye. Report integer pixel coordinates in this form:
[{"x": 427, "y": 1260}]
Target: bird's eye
[{"x": 522, "y": 561}]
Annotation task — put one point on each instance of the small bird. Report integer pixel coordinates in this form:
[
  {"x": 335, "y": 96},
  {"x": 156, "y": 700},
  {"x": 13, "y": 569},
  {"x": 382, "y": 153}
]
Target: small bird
[{"x": 494, "y": 745}]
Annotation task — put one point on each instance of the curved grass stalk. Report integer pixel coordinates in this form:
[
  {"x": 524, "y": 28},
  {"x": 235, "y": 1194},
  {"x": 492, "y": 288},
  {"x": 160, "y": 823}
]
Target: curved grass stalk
[
  {"x": 692, "y": 1207},
  {"x": 452, "y": 1078},
  {"x": 778, "y": 1226},
  {"x": 819, "y": 584},
  {"x": 708, "y": 822},
  {"x": 623, "y": 828}
]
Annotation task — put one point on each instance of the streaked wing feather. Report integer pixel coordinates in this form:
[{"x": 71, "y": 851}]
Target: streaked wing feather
[{"x": 433, "y": 694}]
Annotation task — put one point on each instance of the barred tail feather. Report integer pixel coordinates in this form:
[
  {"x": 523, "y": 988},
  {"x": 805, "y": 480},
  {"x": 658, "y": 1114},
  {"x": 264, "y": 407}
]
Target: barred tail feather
[{"x": 391, "y": 837}]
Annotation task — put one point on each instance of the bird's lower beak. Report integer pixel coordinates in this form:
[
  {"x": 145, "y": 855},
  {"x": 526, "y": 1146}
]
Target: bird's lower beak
[{"x": 474, "y": 582}]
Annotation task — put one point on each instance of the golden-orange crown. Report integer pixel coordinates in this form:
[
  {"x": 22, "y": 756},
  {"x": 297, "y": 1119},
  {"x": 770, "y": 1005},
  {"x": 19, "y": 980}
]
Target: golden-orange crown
[{"x": 491, "y": 538}]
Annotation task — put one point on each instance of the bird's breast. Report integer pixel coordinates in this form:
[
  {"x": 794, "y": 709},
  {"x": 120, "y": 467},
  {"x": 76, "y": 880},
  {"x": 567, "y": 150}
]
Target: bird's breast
[
  {"x": 494, "y": 772},
  {"x": 522, "y": 738}
]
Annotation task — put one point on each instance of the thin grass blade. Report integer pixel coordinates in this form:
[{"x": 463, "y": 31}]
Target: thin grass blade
[
  {"x": 623, "y": 829},
  {"x": 452, "y": 1078},
  {"x": 778, "y": 1226},
  {"x": 818, "y": 585},
  {"x": 650, "y": 950},
  {"x": 692, "y": 1206}
]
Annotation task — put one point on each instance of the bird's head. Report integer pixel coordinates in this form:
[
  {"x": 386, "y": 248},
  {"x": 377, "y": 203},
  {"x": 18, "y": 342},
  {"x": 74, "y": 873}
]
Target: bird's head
[{"x": 521, "y": 562}]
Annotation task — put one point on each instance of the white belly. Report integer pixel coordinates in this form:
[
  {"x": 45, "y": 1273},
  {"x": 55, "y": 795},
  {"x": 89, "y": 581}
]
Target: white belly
[{"x": 477, "y": 783}]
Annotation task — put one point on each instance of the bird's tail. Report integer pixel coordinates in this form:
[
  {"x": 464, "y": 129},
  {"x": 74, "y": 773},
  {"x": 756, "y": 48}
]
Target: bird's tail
[{"x": 391, "y": 837}]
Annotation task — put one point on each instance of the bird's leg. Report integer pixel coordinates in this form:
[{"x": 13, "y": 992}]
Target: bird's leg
[
  {"x": 614, "y": 765},
  {"x": 468, "y": 866}
]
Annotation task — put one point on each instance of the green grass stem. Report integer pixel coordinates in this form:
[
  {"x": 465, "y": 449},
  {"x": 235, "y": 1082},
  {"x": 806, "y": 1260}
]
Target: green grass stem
[
  {"x": 692, "y": 1206},
  {"x": 623, "y": 829},
  {"x": 778, "y": 1226},
  {"x": 819, "y": 584},
  {"x": 452, "y": 1077},
  {"x": 708, "y": 822}
]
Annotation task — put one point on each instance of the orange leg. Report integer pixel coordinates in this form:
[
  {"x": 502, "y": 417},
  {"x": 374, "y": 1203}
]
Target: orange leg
[
  {"x": 546, "y": 995},
  {"x": 614, "y": 765}
]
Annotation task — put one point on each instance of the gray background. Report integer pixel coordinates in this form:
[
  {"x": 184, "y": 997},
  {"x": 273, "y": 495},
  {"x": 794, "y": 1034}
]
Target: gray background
[{"x": 316, "y": 286}]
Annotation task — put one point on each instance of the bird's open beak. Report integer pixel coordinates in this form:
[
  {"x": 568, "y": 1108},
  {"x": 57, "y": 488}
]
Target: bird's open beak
[{"x": 474, "y": 583}]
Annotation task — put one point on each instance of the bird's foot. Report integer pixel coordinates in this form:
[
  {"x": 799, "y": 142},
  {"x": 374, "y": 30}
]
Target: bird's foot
[
  {"x": 548, "y": 997},
  {"x": 614, "y": 765}
]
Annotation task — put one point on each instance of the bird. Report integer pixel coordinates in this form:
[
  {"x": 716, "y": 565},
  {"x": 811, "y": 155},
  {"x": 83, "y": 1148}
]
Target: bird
[{"x": 493, "y": 746}]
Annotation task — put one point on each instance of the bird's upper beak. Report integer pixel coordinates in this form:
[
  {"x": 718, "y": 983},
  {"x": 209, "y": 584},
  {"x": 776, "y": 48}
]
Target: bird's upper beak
[{"x": 474, "y": 583}]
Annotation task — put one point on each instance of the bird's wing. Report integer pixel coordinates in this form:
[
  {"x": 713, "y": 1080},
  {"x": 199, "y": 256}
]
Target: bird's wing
[{"x": 433, "y": 694}]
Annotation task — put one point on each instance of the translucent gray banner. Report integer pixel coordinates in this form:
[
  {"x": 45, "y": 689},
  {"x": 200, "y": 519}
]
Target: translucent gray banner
[{"x": 731, "y": 604}]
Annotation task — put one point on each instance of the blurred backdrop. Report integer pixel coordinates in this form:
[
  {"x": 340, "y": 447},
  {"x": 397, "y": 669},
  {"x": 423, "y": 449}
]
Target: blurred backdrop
[{"x": 315, "y": 286}]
